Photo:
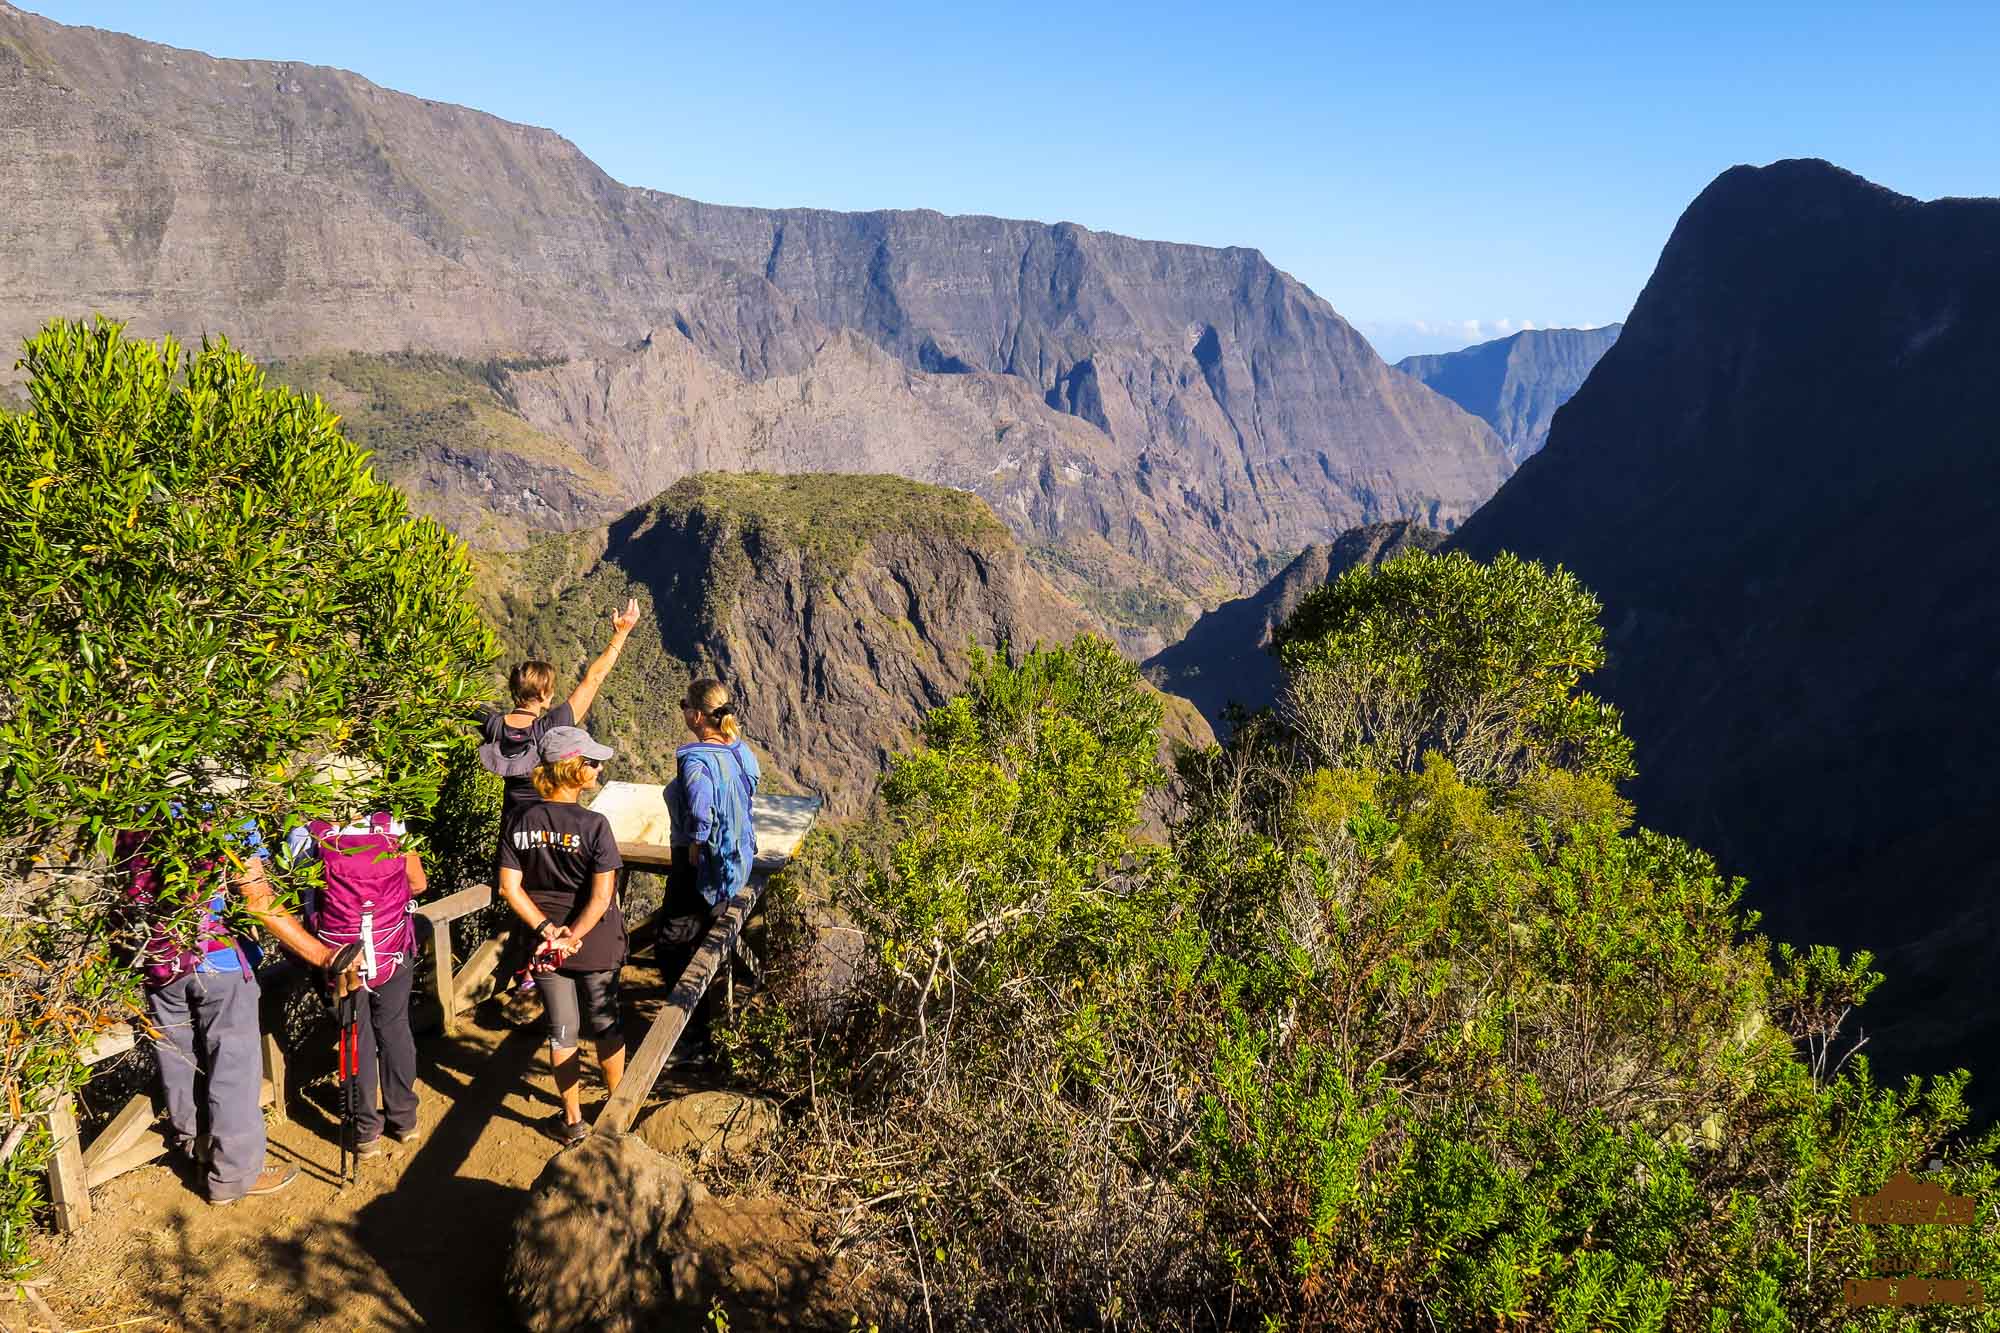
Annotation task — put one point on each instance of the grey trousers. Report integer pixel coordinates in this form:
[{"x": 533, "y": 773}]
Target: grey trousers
[{"x": 209, "y": 1024}]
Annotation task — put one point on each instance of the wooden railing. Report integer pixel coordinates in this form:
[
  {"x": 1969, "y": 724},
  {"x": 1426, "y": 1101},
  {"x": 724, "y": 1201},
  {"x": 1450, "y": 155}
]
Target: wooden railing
[
  {"x": 647, "y": 1063},
  {"x": 131, "y": 1140},
  {"x": 458, "y": 989}
]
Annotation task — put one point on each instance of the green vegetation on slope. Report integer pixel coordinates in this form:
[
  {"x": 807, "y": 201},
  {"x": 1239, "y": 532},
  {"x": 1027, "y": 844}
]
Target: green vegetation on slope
[
  {"x": 210, "y": 593},
  {"x": 828, "y": 517},
  {"x": 399, "y": 404},
  {"x": 1411, "y": 1027},
  {"x": 414, "y": 408}
]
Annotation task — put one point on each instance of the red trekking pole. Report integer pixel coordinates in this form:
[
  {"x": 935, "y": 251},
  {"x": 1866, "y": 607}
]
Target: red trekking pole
[{"x": 347, "y": 1015}]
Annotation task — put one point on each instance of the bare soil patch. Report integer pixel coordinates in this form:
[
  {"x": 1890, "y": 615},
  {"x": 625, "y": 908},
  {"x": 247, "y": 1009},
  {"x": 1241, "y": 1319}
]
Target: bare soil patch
[{"x": 418, "y": 1241}]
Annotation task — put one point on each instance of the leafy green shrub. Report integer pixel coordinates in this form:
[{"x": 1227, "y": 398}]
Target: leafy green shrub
[
  {"x": 1411, "y": 1026},
  {"x": 980, "y": 1073},
  {"x": 212, "y": 595},
  {"x": 1478, "y": 662}
]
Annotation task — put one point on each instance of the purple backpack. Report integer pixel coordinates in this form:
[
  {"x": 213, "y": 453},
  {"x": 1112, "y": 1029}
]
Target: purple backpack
[
  {"x": 165, "y": 956},
  {"x": 366, "y": 898}
]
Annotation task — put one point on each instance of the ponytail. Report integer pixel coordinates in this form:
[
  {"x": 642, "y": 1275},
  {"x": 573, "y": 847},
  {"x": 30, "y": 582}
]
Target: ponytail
[{"x": 710, "y": 698}]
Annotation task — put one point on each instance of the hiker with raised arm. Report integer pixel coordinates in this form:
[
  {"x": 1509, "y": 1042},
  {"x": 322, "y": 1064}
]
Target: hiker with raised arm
[
  {"x": 508, "y": 739},
  {"x": 559, "y": 867},
  {"x": 367, "y": 897},
  {"x": 201, "y": 994},
  {"x": 714, "y": 839}
]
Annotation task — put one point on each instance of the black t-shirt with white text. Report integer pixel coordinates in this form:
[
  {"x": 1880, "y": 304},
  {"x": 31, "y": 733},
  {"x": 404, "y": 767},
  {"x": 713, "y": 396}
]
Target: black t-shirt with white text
[{"x": 559, "y": 847}]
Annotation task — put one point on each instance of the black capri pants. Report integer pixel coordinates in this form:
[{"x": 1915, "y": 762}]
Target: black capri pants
[{"x": 579, "y": 1004}]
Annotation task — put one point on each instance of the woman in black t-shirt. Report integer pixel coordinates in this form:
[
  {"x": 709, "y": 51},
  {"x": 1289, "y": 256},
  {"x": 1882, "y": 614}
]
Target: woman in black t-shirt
[
  {"x": 508, "y": 740},
  {"x": 558, "y": 871}
]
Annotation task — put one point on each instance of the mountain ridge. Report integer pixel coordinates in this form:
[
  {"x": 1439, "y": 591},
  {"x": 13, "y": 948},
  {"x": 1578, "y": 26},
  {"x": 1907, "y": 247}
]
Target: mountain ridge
[
  {"x": 309, "y": 212},
  {"x": 1781, "y": 487},
  {"x": 1516, "y": 384}
]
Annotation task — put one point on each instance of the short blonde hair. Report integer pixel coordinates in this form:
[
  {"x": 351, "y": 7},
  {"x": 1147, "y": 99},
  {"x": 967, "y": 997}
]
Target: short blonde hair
[
  {"x": 571, "y": 772},
  {"x": 532, "y": 680},
  {"x": 710, "y": 698}
]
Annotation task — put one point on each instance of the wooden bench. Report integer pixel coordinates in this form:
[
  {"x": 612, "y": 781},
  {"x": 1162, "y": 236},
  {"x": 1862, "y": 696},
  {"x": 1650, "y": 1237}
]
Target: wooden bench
[{"x": 132, "y": 1139}]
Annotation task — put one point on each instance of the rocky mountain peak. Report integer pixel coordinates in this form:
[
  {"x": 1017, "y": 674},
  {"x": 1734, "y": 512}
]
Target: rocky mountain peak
[
  {"x": 838, "y": 608},
  {"x": 1151, "y": 419},
  {"x": 1805, "y": 382}
]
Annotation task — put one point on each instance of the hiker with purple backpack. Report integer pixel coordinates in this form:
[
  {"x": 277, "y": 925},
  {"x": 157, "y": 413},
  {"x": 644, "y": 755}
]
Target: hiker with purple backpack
[
  {"x": 367, "y": 899},
  {"x": 201, "y": 995}
]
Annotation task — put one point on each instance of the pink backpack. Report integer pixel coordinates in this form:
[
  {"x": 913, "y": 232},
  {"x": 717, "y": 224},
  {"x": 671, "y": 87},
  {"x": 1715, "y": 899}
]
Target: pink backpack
[
  {"x": 166, "y": 957},
  {"x": 366, "y": 898}
]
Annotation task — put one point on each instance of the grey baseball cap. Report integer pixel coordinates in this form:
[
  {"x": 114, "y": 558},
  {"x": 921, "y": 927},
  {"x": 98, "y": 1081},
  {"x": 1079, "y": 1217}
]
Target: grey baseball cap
[{"x": 559, "y": 743}]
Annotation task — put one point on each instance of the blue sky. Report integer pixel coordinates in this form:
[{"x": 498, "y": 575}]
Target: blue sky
[{"x": 1441, "y": 173}]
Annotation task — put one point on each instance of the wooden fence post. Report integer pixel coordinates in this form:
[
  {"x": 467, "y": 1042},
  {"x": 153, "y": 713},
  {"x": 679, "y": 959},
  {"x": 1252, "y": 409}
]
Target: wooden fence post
[
  {"x": 274, "y": 1074},
  {"x": 69, "y": 1182}
]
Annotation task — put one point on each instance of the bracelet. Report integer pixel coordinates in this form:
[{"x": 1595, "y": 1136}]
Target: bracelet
[{"x": 542, "y": 928}]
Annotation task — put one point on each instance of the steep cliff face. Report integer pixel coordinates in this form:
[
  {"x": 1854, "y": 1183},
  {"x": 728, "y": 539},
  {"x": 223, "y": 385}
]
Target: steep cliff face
[
  {"x": 1278, "y": 413},
  {"x": 1128, "y": 406},
  {"x": 301, "y": 208},
  {"x": 1515, "y": 384},
  {"x": 1226, "y": 657},
  {"x": 449, "y": 435},
  {"x": 839, "y": 609},
  {"x": 1783, "y": 481},
  {"x": 654, "y": 415}
]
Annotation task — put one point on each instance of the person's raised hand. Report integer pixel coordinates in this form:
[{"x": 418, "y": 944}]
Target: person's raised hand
[{"x": 623, "y": 622}]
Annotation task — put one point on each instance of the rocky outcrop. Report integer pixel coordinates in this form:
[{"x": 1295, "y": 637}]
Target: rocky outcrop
[
  {"x": 594, "y": 1245},
  {"x": 444, "y": 432},
  {"x": 724, "y": 1126},
  {"x": 616, "y": 1238},
  {"x": 839, "y": 609},
  {"x": 1782, "y": 481},
  {"x": 1226, "y": 659},
  {"x": 1515, "y": 384},
  {"x": 1164, "y": 414}
]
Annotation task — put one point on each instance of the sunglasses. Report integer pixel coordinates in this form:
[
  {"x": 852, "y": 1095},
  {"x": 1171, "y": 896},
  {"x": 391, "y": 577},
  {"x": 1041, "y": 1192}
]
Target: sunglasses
[{"x": 594, "y": 763}]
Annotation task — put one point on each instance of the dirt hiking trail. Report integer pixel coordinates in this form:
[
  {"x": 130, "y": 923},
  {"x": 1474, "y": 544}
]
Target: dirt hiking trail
[{"x": 418, "y": 1241}]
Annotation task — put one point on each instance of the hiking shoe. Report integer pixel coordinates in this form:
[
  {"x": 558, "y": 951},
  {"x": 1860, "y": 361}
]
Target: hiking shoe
[
  {"x": 568, "y": 1132},
  {"x": 267, "y": 1182},
  {"x": 193, "y": 1152},
  {"x": 369, "y": 1147},
  {"x": 410, "y": 1135}
]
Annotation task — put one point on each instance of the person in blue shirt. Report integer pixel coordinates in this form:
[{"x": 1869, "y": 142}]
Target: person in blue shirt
[{"x": 714, "y": 837}]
